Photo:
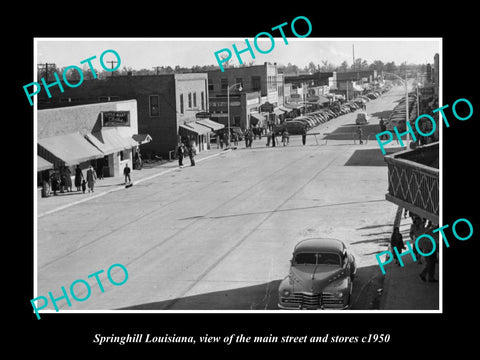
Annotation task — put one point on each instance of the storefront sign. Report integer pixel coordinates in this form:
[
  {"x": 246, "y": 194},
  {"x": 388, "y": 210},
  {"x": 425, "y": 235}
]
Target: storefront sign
[
  {"x": 115, "y": 118},
  {"x": 267, "y": 107},
  {"x": 202, "y": 115}
]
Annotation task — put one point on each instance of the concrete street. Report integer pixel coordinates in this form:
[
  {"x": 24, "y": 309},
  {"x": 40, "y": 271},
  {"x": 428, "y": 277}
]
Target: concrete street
[{"x": 219, "y": 236}]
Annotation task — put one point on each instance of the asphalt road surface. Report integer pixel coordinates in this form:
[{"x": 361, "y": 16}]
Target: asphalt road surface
[{"x": 219, "y": 236}]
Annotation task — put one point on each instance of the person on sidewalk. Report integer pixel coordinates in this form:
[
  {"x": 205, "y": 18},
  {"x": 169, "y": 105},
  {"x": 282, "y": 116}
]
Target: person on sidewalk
[
  {"x": 397, "y": 241},
  {"x": 426, "y": 247},
  {"x": 181, "y": 154},
  {"x": 191, "y": 153},
  {"x": 126, "y": 173},
  {"x": 91, "y": 178},
  {"x": 78, "y": 177}
]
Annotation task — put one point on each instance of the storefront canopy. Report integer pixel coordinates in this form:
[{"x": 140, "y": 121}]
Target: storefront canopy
[
  {"x": 68, "y": 149},
  {"x": 43, "y": 164},
  {"x": 142, "y": 138},
  {"x": 193, "y": 127},
  {"x": 110, "y": 141},
  {"x": 213, "y": 125},
  {"x": 258, "y": 117}
]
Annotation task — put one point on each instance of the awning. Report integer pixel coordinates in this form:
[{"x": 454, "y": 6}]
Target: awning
[
  {"x": 213, "y": 125},
  {"x": 68, "y": 149},
  {"x": 193, "y": 127},
  {"x": 43, "y": 164},
  {"x": 284, "y": 109},
  {"x": 279, "y": 111},
  {"x": 109, "y": 141},
  {"x": 258, "y": 117},
  {"x": 142, "y": 138}
]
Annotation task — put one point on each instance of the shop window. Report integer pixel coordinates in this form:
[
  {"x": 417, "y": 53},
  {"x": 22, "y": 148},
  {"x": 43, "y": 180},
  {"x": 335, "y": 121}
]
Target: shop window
[
  {"x": 182, "y": 109},
  {"x": 202, "y": 100},
  {"x": 154, "y": 102},
  {"x": 189, "y": 100},
  {"x": 195, "y": 100}
]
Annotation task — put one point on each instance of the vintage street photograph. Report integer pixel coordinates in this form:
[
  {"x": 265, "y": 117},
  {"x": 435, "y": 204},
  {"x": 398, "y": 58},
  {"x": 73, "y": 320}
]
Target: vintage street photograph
[{"x": 169, "y": 179}]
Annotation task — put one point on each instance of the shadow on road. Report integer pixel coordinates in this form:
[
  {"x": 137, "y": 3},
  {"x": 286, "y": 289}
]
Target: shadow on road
[
  {"x": 257, "y": 297},
  {"x": 370, "y": 157},
  {"x": 365, "y": 295}
]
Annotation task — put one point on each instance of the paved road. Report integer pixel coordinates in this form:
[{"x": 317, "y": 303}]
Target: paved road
[{"x": 220, "y": 235}]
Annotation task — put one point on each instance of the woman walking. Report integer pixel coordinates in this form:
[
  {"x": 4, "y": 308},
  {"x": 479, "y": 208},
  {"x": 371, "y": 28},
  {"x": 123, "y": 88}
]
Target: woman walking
[{"x": 78, "y": 178}]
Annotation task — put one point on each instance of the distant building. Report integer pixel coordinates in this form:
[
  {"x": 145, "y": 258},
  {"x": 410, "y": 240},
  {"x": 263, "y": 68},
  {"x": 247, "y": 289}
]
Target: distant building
[
  {"x": 169, "y": 106},
  {"x": 257, "y": 103}
]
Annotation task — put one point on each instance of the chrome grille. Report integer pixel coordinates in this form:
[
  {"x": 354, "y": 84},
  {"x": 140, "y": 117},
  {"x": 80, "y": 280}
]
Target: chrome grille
[
  {"x": 330, "y": 301},
  {"x": 304, "y": 300}
]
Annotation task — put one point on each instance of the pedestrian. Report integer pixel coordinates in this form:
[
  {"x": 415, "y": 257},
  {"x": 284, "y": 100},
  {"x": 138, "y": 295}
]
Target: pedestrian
[
  {"x": 78, "y": 178},
  {"x": 192, "y": 151},
  {"x": 269, "y": 138},
  {"x": 235, "y": 139},
  {"x": 126, "y": 173},
  {"x": 225, "y": 139},
  {"x": 274, "y": 139},
  {"x": 180, "y": 154},
  {"x": 247, "y": 131},
  {"x": 220, "y": 141},
  {"x": 55, "y": 182},
  {"x": 429, "y": 271},
  {"x": 397, "y": 241},
  {"x": 99, "y": 170},
  {"x": 91, "y": 178},
  {"x": 62, "y": 179},
  {"x": 304, "y": 137},
  {"x": 250, "y": 138},
  {"x": 417, "y": 227},
  {"x": 360, "y": 133},
  {"x": 285, "y": 137},
  {"x": 68, "y": 179},
  {"x": 138, "y": 159}
]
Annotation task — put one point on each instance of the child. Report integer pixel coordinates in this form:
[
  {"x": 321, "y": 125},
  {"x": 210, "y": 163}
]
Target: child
[{"x": 84, "y": 186}]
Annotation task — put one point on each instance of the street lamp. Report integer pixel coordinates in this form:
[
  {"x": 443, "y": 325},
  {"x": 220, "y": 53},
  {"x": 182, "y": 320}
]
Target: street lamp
[{"x": 228, "y": 108}]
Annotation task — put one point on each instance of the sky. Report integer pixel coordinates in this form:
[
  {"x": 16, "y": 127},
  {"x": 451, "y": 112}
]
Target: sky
[{"x": 138, "y": 53}]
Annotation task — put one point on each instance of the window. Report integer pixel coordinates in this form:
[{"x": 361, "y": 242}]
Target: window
[
  {"x": 223, "y": 84},
  {"x": 210, "y": 84},
  {"x": 189, "y": 100},
  {"x": 154, "y": 101},
  {"x": 202, "y": 100},
  {"x": 182, "y": 109},
  {"x": 256, "y": 84},
  {"x": 194, "y": 99},
  {"x": 239, "y": 81}
]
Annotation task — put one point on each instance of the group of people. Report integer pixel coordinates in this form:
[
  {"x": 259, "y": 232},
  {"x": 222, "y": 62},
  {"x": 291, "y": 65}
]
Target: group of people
[
  {"x": 419, "y": 226},
  {"x": 61, "y": 180},
  {"x": 186, "y": 148}
]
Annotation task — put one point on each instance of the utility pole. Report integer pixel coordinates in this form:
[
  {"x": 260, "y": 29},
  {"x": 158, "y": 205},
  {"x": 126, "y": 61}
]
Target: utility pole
[
  {"x": 45, "y": 66},
  {"x": 111, "y": 65}
]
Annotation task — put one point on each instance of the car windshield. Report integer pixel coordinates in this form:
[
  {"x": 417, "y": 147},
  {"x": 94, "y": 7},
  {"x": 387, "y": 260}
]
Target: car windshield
[{"x": 317, "y": 258}]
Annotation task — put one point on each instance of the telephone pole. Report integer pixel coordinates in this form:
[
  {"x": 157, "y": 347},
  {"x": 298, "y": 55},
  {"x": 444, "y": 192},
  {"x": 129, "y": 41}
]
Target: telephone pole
[
  {"x": 45, "y": 66},
  {"x": 111, "y": 65}
]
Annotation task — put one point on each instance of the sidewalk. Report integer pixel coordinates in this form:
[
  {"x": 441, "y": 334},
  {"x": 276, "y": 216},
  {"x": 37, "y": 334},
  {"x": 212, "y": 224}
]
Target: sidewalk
[
  {"x": 53, "y": 204},
  {"x": 404, "y": 290}
]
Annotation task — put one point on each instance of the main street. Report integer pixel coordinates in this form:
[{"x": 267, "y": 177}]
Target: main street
[{"x": 219, "y": 236}]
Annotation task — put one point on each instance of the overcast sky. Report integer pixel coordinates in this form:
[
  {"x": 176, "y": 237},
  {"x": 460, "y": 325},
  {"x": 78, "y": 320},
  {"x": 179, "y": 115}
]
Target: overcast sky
[{"x": 138, "y": 53}]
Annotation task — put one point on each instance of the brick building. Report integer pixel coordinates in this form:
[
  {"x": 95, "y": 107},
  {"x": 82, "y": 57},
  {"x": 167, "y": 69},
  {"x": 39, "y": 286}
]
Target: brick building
[{"x": 168, "y": 105}]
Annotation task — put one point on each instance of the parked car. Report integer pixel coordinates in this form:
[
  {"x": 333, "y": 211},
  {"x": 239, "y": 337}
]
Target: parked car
[
  {"x": 320, "y": 277},
  {"x": 362, "y": 118}
]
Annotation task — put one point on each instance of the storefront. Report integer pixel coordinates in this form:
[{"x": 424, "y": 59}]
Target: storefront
[{"x": 103, "y": 135}]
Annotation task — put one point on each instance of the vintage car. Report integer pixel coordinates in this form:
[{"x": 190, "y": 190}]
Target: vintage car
[
  {"x": 321, "y": 276},
  {"x": 362, "y": 118}
]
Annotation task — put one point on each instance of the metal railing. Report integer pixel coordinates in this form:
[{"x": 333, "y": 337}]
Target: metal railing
[{"x": 413, "y": 182}]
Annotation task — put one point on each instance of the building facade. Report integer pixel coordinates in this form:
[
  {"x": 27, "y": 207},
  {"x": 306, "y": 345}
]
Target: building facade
[
  {"x": 104, "y": 135},
  {"x": 168, "y": 105},
  {"x": 256, "y": 94}
]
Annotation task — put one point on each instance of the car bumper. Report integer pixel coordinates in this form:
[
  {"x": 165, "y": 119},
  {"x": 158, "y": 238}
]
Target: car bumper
[{"x": 283, "y": 307}]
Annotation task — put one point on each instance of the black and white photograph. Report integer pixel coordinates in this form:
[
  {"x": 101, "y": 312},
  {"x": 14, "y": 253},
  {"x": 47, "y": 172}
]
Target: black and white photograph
[
  {"x": 256, "y": 186},
  {"x": 249, "y": 183}
]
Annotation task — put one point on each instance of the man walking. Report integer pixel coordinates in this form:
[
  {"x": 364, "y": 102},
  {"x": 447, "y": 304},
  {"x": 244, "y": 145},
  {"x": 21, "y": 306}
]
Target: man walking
[
  {"x": 360, "y": 133},
  {"x": 91, "y": 177},
  {"x": 126, "y": 173},
  {"x": 191, "y": 153},
  {"x": 397, "y": 241},
  {"x": 181, "y": 154}
]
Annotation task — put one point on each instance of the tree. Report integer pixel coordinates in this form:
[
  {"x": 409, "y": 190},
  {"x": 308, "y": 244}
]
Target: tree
[
  {"x": 343, "y": 67},
  {"x": 311, "y": 67}
]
